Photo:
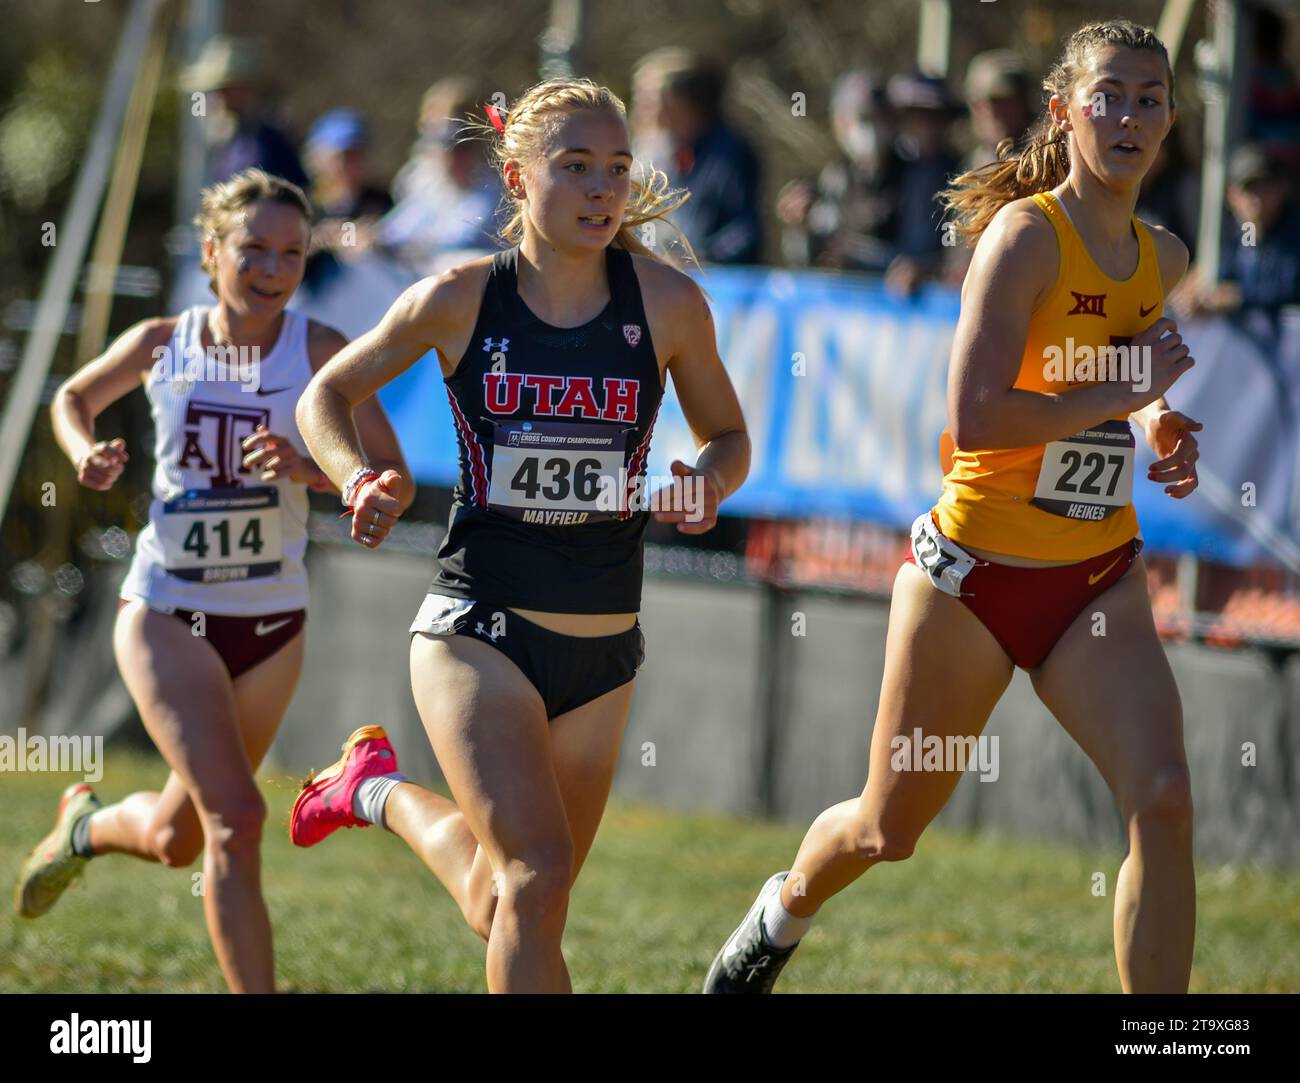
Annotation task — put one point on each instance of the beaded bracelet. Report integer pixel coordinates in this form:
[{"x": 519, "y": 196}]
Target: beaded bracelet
[{"x": 360, "y": 476}]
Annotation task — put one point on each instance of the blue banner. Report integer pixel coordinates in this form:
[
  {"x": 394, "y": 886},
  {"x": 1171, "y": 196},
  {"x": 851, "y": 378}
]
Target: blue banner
[{"x": 844, "y": 391}]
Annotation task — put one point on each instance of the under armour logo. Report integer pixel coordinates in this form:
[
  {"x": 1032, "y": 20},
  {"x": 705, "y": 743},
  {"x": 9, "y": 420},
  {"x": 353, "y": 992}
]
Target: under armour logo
[
  {"x": 488, "y": 347},
  {"x": 1088, "y": 304}
]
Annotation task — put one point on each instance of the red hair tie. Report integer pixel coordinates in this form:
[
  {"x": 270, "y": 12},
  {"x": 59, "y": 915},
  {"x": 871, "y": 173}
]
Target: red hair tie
[{"x": 494, "y": 115}]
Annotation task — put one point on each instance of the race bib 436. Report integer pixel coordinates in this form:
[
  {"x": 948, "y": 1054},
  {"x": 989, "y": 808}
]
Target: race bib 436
[{"x": 558, "y": 473}]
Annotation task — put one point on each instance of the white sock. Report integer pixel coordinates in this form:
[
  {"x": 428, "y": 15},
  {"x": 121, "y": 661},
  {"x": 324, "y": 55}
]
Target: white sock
[
  {"x": 368, "y": 801},
  {"x": 782, "y": 928}
]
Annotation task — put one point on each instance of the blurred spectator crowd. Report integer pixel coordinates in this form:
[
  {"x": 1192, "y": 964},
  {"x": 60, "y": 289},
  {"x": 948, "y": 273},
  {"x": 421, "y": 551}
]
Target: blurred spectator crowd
[{"x": 898, "y": 142}]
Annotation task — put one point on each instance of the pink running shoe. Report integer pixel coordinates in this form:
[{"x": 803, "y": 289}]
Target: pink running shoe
[{"x": 325, "y": 803}]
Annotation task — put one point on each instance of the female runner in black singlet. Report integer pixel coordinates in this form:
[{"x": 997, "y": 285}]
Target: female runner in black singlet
[{"x": 524, "y": 654}]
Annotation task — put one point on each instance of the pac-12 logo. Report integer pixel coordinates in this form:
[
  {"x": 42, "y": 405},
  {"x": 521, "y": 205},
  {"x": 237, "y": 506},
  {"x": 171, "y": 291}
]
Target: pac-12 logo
[
  {"x": 213, "y": 434},
  {"x": 632, "y": 332}
]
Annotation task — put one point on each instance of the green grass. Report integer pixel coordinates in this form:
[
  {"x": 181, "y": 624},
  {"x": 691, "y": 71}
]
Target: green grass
[{"x": 659, "y": 894}]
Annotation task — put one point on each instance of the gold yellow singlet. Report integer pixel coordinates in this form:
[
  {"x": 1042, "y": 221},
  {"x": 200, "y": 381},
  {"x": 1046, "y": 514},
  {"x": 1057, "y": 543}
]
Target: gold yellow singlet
[{"x": 1070, "y": 499}]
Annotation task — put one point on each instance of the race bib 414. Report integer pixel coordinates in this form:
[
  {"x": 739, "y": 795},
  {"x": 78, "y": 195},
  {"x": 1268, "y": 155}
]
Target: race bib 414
[{"x": 218, "y": 535}]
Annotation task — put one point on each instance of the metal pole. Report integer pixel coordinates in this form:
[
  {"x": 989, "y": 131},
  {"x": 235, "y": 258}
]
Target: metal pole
[
  {"x": 1172, "y": 27},
  {"x": 1222, "y": 62},
  {"x": 774, "y": 694},
  {"x": 561, "y": 41},
  {"x": 934, "y": 38},
  {"x": 202, "y": 22},
  {"x": 107, "y": 253},
  {"x": 70, "y": 248}
]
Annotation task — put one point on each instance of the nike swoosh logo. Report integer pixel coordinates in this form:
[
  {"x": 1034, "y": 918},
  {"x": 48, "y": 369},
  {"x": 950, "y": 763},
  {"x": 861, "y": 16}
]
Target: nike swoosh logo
[
  {"x": 1101, "y": 574},
  {"x": 277, "y": 390},
  {"x": 1146, "y": 311},
  {"x": 267, "y": 629}
]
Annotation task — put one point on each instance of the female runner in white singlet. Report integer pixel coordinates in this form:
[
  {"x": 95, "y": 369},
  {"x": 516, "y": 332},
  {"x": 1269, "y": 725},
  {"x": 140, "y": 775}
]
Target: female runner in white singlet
[{"x": 209, "y": 633}]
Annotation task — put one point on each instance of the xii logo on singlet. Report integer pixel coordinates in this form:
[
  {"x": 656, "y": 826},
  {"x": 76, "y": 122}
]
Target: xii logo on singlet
[
  {"x": 213, "y": 434},
  {"x": 1088, "y": 304},
  {"x": 613, "y": 399}
]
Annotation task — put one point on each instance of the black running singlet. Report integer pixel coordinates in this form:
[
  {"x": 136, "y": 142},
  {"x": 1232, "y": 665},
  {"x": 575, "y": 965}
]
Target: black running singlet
[{"x": 553, "y": 426}]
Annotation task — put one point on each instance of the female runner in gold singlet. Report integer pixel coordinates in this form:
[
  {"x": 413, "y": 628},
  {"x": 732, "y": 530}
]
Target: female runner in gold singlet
[{"x": 1035, "y": 531}]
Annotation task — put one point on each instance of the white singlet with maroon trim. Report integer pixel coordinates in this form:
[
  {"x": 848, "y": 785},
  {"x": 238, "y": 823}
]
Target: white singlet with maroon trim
[{"x": 220, "y": 540}]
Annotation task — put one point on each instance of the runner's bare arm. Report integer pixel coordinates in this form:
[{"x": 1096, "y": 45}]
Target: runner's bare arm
[
  {"x": 84, "y": 395},
  {"x": 1013, "y": 269},
  {"x": 1169, "y": 432},
  {"x": 378, "y": 440},
  {"x": 1173, "y": 257},
  {"x": 328, "y": 412},
  {"x": 704, "y": 389}
]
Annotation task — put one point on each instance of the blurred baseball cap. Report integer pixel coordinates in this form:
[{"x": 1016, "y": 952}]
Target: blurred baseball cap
[
  {"x": 996, "y": 73},
  {"x": 224, "y": 61},
  {"x": 1252, "y": 162},
  {"x": 661, "y": 61},
  {"x": 912, "y": 90},
  {"x": 338, "y": 130},
  {"x": 857, "y": 91}
]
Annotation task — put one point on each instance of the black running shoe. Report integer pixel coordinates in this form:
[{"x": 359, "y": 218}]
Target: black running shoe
[{"x": 747, "y": 963}]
